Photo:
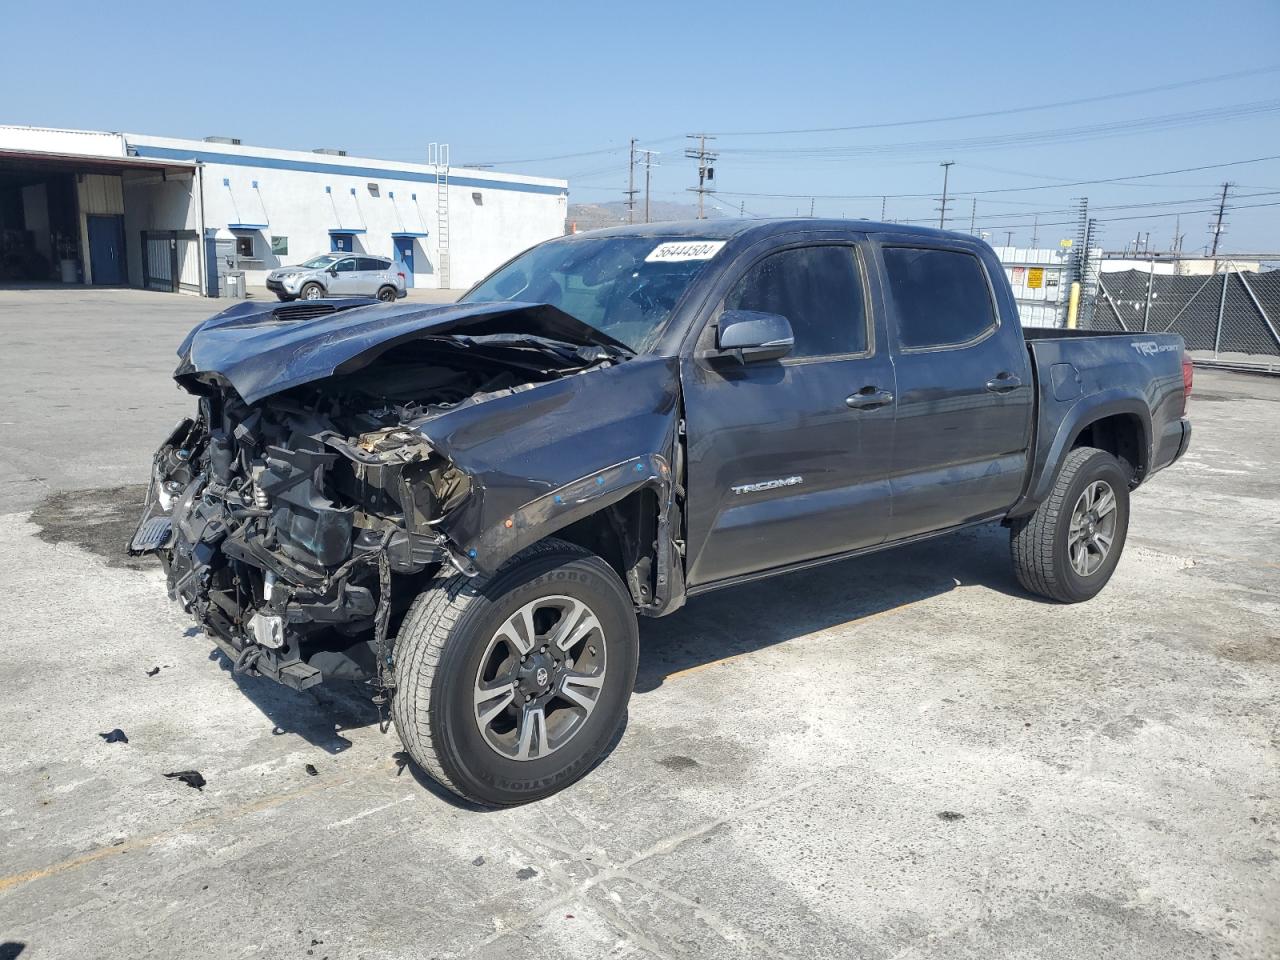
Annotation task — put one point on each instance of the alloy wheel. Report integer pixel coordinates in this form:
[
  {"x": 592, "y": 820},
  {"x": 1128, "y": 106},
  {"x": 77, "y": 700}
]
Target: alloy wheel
[
  {"x": 1092, "y": 529},
  {"x": 540, "y": 678}
]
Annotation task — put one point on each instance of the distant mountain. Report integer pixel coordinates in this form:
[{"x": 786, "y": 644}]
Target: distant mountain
[{"x": 593, "y": 216}]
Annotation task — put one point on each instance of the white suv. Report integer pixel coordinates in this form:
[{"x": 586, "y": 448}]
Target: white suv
[{"x": 340, "y": 275}]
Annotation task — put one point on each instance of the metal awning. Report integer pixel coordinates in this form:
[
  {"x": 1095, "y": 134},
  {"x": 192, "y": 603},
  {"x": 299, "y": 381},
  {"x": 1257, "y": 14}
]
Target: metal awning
[
  {"x": 345, "y": 231},
  {"x": 247, "y": 226},
  {"x": 89, "y": 163},
  {"x": 405, "y": 233}
]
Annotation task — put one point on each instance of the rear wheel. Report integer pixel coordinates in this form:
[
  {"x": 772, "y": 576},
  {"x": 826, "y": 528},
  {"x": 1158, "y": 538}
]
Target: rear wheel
[
  {"x": 387, "y": 294},
  {"x": 312, "y": 291},
  {"x": 510, "y": 687},
  {"x": 1068, "y": 549}
]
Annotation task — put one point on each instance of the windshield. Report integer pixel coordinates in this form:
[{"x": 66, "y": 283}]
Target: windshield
[
  {"x": 320, "y": 262},
  {"x": 623, "y": 286}
]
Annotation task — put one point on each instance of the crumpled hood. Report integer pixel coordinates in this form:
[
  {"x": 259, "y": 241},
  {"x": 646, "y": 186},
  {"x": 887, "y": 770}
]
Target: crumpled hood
[{"x": 260, "y": 351}]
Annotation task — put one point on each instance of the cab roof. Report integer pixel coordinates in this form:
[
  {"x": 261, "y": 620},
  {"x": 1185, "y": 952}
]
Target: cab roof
[{"x": 728, "y": 228}]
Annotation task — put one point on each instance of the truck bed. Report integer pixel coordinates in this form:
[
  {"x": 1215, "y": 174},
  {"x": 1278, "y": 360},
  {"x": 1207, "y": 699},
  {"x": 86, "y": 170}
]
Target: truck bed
[{"x": 1093, "y": 373}]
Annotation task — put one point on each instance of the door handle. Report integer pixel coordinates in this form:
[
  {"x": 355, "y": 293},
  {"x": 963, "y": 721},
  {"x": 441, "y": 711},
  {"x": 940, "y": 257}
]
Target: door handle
[
  {"x": 868, "y": 398},
  {"x": 1003, "y": 383}
]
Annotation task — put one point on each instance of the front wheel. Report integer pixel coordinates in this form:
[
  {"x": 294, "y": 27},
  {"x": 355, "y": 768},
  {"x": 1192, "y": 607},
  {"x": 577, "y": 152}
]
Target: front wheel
[
  {"x": 1068, "y": 549},
  {"x": 510, "y": 687},
  {"x": 312, "y": 291}
]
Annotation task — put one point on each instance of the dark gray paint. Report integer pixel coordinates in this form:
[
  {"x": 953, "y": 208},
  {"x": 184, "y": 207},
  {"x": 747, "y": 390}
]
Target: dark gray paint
[{"x": 942, "y": 452}]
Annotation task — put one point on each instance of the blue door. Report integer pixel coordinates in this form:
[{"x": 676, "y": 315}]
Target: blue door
[
  {"x": 106, "y": 250},
  {"x": 404, "y": 253},
  {"x": 341, "y": 242}
]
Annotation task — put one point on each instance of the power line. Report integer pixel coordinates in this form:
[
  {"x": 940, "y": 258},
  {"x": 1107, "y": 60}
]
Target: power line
[
  {"x": 567, "y": 156},
  {"x": 1027, "y": 138},
  {"x": 1141, "y": 216},
  {"x": 1120, "y": 206},
  {"x": 970, "y": 193},
  {"x": 1038, "y": 108}
]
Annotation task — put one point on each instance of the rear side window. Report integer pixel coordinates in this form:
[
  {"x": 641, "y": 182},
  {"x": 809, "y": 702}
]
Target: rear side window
[
  {"x": 941, "y": 297},
  {"x": 369, "y": 264},
  {"x": 818, "y": 289}
]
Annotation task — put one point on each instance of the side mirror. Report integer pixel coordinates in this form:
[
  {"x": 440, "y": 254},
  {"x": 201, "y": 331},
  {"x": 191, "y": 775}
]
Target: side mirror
[
  {"x": 332, "y": 271},
  {"x": 749, "y": 336}
]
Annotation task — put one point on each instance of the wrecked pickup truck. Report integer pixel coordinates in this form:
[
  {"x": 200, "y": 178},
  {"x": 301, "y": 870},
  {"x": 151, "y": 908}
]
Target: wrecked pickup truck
[{"x": 468, "y": 505}]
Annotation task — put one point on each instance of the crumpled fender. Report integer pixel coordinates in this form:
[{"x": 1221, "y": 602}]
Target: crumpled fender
[{"x": 542, "y": 458}]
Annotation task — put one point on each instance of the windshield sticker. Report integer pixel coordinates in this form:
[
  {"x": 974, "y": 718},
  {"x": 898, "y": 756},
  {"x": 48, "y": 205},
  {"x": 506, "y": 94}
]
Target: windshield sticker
[{"x": 679, "y": 250}]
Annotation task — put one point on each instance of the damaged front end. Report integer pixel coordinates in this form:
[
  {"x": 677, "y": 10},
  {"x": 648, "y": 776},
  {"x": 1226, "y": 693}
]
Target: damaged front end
[{"x": 295, "y": 524}]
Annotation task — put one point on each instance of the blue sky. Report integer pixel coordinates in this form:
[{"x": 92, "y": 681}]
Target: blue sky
[{"x": 505, "y": 82}]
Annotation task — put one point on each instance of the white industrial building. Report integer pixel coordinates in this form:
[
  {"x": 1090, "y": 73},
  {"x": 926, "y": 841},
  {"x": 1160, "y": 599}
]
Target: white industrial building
[
  {"x": 161, "y": 213},
  {"x": 1040, "y": 278}
]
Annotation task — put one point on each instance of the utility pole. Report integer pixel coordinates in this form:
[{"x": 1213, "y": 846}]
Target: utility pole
[
  {"x": 973, "y": 215},
  {"x": 1217, "y": 226},
  {"x": 1177, "y": 234},
  {"x": 631, "y": 184},
  {"x": 1008, "y": 238},
  {"x": 648, "y": 162},
  {"x": 706, "y": 170},
  {"x": 942, "y": 210},
  {"x": 811, "y": 208},
  {"x": 1080, "y": 252},
  {"x": 884, "y": 202},
  {"x": 1035, "y": 233}
]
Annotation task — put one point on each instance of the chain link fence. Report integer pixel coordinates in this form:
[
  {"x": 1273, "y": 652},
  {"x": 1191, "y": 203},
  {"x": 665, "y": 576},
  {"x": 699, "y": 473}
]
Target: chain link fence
[{"x": 1224, "y": 309}]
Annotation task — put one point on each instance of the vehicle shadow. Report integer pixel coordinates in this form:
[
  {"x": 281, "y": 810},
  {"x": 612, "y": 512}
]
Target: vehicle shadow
[
  {"x": 720, "y": 625},
  {"x": 754, "y": 616},
  {"x": 318, "y": 715}
]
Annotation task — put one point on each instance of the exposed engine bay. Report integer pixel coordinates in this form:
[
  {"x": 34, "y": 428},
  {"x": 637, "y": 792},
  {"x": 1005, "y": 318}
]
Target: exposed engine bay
[{"x": 293, "y": 527}]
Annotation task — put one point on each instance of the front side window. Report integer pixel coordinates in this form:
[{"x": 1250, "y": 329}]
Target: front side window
[
  {"x": 345, "y": 266},
  {"x": 818, "y": 289},
  {"x": 623, "y": 286},
  {"x": 941, "y": 297}
]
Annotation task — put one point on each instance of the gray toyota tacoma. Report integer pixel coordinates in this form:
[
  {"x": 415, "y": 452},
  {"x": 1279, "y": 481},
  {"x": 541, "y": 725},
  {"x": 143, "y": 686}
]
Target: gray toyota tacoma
[{"x": 467, "y": 506}]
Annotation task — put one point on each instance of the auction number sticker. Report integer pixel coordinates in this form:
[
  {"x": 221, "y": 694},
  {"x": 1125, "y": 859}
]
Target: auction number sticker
[{"x": 678, "y": 250}]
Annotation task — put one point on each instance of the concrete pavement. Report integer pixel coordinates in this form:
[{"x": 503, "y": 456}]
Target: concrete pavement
[{"x": 898, "y": 756}]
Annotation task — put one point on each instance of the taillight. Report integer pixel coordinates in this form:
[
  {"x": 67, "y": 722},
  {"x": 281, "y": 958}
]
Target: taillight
[
  {"x": 401, "y": 276},
  {"x": 1188, "y": 375}
]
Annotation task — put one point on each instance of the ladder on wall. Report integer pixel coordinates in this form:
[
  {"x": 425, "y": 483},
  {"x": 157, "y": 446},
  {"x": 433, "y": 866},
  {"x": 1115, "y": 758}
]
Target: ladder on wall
[{"x": 438, "y": 156}]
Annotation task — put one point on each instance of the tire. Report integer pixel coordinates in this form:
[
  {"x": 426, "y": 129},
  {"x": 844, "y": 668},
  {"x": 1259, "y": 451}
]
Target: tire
[
  {"x": 387, "y": 294},
  {"x": 311, "y": 291},
  {"x": 1047, "y": 555},
  {"x": 457, "y": 633}
]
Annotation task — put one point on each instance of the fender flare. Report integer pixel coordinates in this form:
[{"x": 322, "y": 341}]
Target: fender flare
[
  {"x": 541, "y": 517},
  {"x": 1087, "y": 410}
]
